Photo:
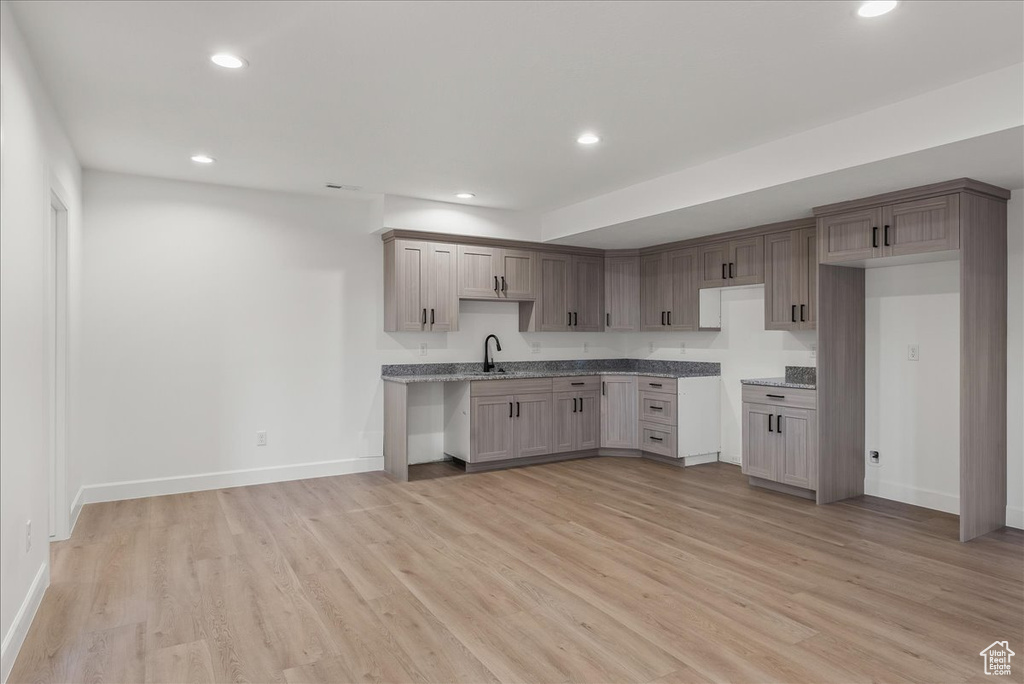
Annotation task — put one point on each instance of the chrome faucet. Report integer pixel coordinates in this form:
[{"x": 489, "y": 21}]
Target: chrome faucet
[{"x": 488, "y": 364}]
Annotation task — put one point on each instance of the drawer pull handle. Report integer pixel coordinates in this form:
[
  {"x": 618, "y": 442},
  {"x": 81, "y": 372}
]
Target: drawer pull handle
[
  {"x": 770, "y": 423},
  {"x": 656, "y": 408},
  {"x": 656, "y": 439},
  {"x": 654, "y": 384},
  {"x": 776, "y": 396},
  {"x": 778, "y": 423},
  {"x": 578, "y": 383}
]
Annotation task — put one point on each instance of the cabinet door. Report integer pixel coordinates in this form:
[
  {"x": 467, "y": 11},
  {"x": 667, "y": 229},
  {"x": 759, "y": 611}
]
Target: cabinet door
[
  {"x": 479, "y": 271},
  {"x": 517, "y": 277},
  {"x": 928, "y": 225},
  {"x": 850, "y": 237},
  {"x": 622, "y": 293},
  {"x": 587, "y": 294},
  {"x": 683, "y": 278},
  {"x": 781, "y": 264},
  {"x": 618, "y": 412},
  {"x": 490, "y": 428},
  {"x": 442, "y": 289},
  {"x": 760, "y": 447},
  {"x": 798, "y": 434},
  {"x": 807, "y": 279},
  {"x": 411, "y": 265},
  {"x": 714, "y": 264},
  {"x": 552, "y": 307},
  {"x": 746, "y": 261},
  {"x": 653, "y": 291},
  {"x": 588, "y": 420},
  {"x": 566, "y": 407},
  {"x": 532, "y": 425}
]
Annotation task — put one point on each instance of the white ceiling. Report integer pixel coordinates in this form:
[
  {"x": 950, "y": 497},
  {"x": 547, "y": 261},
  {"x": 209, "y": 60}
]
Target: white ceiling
[{"x": 427, "y": 99}]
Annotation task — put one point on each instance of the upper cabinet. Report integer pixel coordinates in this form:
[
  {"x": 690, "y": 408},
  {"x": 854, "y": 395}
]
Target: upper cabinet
[
  {"x": 420, "y": 287},
  {"x": 622, "y": 293},
  {"x": 790, "y": 280},
  {"x": 916, "y": 226},
  {"x": 735, "y": 262},
  {"x": 571, "y": 294},
  {"x": 496, "y": 273},
  {"x": 669, "y": 283}
]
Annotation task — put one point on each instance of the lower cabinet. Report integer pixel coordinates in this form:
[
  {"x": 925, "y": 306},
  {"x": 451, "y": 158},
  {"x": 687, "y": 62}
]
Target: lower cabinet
[
  {"x": 619, "y": 412},
  {"x": 510, "y": 426},
  {"x": 780, "y": 444},
  {"x": 577, "y": 421}
]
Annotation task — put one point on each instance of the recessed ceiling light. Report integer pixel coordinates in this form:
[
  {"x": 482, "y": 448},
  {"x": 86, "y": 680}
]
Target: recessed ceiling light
[
  {"x": 588, "y": 139},
  {"x": 465, "y": 195},
  {"x": 228, "y": 61},
  {"x": 876, "y": 8},
  {"x": 202, "y": 159}
]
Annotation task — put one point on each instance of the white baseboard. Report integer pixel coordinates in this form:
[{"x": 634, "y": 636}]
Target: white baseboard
[
  {"x": 700, "y": 459},
  {"x": 160, "y": 486},
  {"x": 15, "y": 636},
  {"x": 1015, "y": 517},
  {"x": 925, "y": 498},
  {"x": 76, "y": 510}
]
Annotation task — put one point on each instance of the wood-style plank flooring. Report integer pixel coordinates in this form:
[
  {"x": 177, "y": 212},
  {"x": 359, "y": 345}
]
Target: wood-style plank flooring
[{"x": 601, "y": 570}]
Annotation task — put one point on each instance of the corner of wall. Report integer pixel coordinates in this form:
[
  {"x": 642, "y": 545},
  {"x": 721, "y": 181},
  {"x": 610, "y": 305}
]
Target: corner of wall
[{"x": 15, "y": 636}]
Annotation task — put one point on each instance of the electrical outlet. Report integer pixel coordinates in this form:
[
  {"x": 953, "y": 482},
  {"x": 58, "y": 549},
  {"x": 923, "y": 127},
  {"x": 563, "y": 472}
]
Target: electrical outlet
[
  {"x": 535, "y": 347},
  {"x": 913, "y": 352},
  {"x": 650, "y": 347},
  {"x": 814, "y": 350},
  {"x": 28, "y": 536},
  {"x": 682, "y": 348},
  {"x": 423, "y": 348},
  {"x": 586, "y": 347},
  {"x": 873, "y": 457},
  {"x": 261, "y": 438}
]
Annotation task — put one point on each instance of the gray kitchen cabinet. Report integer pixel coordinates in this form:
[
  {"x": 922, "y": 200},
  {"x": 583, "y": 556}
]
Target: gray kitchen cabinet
[
  {"x": 492, "y": 429},
  {"x": 760, "y": 446},
  {"x": 780, "y": 436},
  {"x": 420, "y": 287},
  {"x": 669, "y": 284},
  {"x": 622, "y": 293},
  {"x": 790, "y": 280},
  {"x": 532, "y": 425},
  {"x": 619, "y": 412},
  {"x": 734, "y": 262},
  {"x": 565, "y": 406},
  {"x": 588, "y": 421},
  {"x": 496, "y": 273},
  {"x": 577, "y": 420},
  {"x": 797, "y": 432},
  {"x": 851, "y": 236},
  {"x": 571, "y": 293},
  {"x": 924, "y": 225}
]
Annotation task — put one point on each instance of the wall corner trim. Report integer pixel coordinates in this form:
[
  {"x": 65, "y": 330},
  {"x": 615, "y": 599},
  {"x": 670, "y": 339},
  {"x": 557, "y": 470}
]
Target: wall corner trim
[
  {"x": 76, "y": 510},
  {"x": 15, "y": 636}
]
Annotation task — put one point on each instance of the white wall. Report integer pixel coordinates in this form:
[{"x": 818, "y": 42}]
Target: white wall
[
  {"x": 412, "y": 213},
  {"x": 743, "y": 347},
  {"x": 35, "y": 157},
  {"x": 913, "y": 407},
  {"x": 1015, "y": 365}
]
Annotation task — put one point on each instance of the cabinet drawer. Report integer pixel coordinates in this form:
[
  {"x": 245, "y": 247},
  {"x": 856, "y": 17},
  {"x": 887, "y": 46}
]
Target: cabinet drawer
[
  {"x": 780, "y": 396},
  {"x": 576, "y": 384},
  {"x": 652, "y": 384},
  {"x": 496, "y": 388},
  {"x": 656, "y": 407},
  {"x": 658, "y": 439}
]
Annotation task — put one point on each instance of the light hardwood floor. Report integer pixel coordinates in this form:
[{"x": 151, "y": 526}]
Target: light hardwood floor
[{"x": 602, "y": 570}]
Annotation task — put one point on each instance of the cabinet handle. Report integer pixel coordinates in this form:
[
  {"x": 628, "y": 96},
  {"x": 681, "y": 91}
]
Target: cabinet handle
[
  {"x": 510, "y": 409},
  {"x": 669, "y": 317},
  {"x": 654, "y": 384},
  {"x": 574, "y": 404},
  {"x": 874, "y": 237},
  {"x": 794, "y": 313},
  {"x": 656, "y": 408},
  {"x": 581, "y": 404},
  {"x": 517, "y": 409},
  {"x": 577, "y": 384},
  {"x": 802, "y": 319},
  {"x": 495, "y": 283},
  {"x": 608, "y": 320},
  {"x": 656, "y": 439},
  {"x": 724, "y": 266},
  {"x": 431, "y": 317},
  {"x": 778, "y": 423},
  {"x": 569, "y": 314},
  {"x": 504, "y": 285},
  {"x": 770, "y": 423},
  {"x": 575, "y": 319},
  {"x": 731, "y": 274},
  {"x": 602, "y": 389},
  {"x": 776, "y": 396},
  {"x": 886, "y": 238},
  {"x": 663, "y": 318},
  {"x": 424, "y": 317}
]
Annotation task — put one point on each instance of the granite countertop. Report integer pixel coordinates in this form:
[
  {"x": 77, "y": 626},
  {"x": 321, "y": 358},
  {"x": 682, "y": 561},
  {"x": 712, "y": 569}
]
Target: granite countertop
[
  {"x": 797, "y": 377},
  {"x": 517, "y": 370}
]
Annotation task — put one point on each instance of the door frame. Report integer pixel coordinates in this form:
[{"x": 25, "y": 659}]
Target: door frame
[{"x": 58, "y": 365}]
